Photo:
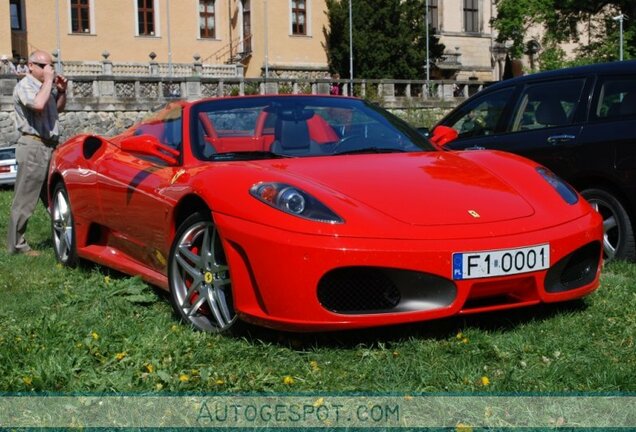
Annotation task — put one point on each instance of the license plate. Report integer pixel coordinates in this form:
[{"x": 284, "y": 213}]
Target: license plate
[{"x": 472, "y": 265}]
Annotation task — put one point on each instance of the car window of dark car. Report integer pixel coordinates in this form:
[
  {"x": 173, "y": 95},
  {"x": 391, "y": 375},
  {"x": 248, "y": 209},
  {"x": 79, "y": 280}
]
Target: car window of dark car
[
  {"x": 482, "y": 115},
  {"x": 616, "y": 98},
  {"x": 548, "y": 104}
]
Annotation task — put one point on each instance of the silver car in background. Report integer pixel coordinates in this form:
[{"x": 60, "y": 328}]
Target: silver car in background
[{"x": 8, "y": 166}]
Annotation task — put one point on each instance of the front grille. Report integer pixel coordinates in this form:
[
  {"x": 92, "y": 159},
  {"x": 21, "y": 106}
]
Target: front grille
[
  {"x": 575, "y": 270},
  {"x": 365, "y": 290}
]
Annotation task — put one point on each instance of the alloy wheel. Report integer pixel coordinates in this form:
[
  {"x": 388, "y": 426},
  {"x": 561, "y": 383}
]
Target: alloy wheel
[
  {"x": 63, "y": 228},
  {"x": 611, "y": 233},
  {"x": 199, "y": 277}
]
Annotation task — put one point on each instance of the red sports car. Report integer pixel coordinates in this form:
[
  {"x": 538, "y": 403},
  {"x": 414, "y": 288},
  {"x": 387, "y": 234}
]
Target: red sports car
[{"x": 318, "y": 213}]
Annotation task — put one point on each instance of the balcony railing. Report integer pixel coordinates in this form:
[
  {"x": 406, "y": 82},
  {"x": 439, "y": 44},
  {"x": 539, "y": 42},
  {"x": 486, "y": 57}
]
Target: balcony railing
[
  {"x": 150, "y": 69},
  {"x": 233, "y": 52}
]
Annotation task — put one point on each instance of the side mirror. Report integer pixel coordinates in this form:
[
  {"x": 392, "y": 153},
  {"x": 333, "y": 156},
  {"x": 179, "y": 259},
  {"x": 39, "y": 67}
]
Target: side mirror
[
  {"x": 442, "y": 135},
  {"x": 150, "y": 146}
]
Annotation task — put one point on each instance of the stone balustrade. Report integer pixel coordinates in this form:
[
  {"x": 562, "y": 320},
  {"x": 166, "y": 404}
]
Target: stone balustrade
[
  {"x": 150, "y": 69},
  {"x": 164, "y": 70}
]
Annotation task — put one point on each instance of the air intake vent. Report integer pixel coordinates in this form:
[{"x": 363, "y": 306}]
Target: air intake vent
[
  {"x": 357, "y": 289},
  {"x": 575, "y": 270},
  {"x": 374, "y": 290}
]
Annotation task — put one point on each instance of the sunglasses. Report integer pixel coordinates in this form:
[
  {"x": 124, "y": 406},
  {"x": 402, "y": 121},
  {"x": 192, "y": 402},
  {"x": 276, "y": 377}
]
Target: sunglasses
[{"x": 42, "y": 65}]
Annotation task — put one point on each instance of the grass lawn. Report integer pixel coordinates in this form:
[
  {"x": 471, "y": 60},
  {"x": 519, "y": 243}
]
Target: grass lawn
[{"x": 82, "y": 330}]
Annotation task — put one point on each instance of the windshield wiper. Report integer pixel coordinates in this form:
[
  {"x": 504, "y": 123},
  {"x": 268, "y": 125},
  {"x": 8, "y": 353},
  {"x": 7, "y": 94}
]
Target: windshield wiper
[
  {"x": 246, "y": 155},
  {"x": 371, "y": 150}
]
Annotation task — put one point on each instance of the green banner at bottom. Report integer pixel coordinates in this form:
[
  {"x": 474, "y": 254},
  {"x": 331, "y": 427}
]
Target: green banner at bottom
[{"x": 317, "y": 411}]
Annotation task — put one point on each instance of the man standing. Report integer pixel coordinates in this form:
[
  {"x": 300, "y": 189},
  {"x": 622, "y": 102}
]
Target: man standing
[{"x": 37, "y": 99}]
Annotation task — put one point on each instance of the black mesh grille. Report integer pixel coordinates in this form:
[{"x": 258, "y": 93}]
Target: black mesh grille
[{"x": 358, "y": 289}]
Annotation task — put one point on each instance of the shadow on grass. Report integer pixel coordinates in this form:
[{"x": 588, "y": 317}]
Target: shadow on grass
[
  {"x": 44, "y": 244},
  {"x": 439, "y": 329}
]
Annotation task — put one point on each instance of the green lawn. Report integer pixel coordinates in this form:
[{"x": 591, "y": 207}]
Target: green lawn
[{"x": 84, "y": 330}]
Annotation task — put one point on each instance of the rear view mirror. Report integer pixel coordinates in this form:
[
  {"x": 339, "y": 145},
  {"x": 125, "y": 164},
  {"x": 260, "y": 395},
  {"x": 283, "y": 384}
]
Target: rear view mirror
[
  {"x": 150, "y": 146},
  {"x": 442, "y": 135},
  {"x": 424, "y": 131},
  {"x": 295, "y": 114}
]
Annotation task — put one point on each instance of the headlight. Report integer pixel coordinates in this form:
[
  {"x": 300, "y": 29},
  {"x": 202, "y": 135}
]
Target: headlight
[
  {"x": 294, "y": 201},
  {"x": 565, "y": 190}
]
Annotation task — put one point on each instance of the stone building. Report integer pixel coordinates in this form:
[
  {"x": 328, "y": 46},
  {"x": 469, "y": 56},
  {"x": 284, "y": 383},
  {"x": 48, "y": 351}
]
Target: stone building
[
  {"x": 277, "y": 36},
  {"x": 273, "y": 37},
  {"x": 464, "y": 28}
]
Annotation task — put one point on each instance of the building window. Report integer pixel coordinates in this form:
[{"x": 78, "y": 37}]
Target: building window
[
  {"x": 145, "y": 18},
  {"x": 433, "y": 15},
  {"x": 207, "y": 24},
  {"x": 16, "y": 14},
  {"x": 299, "y": 17},
  {"x": 80, "y": 16},
  {"x": 247, "y": 27},
  {"x": 471, "y": 16}
]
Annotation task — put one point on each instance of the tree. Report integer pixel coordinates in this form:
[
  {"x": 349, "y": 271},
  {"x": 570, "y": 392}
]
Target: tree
[
  {"x": 563, "y": 21},
  {"x": 388, "y": 38}
]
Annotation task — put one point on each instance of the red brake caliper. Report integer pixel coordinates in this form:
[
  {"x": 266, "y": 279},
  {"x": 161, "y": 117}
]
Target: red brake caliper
[{"x": 204, "y": 309}]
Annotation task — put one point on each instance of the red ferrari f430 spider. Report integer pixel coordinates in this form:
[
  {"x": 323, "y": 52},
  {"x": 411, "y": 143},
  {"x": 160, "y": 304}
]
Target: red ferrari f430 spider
[{"x": 312, "y": 213}]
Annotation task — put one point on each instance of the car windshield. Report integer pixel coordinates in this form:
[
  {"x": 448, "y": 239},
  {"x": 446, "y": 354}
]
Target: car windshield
[{"x": 297, "y": 126}]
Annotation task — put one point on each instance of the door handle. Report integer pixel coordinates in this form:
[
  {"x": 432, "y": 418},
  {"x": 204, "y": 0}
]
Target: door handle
[{"x": 555, "y": 139}]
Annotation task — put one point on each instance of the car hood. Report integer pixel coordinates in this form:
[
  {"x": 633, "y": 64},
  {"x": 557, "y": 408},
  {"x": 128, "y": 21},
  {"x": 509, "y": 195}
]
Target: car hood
[{"x": 416, "y": 188}]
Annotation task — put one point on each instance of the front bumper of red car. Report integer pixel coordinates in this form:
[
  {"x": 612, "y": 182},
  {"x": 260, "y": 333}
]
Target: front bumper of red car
[{"x": 304, "y": 282}]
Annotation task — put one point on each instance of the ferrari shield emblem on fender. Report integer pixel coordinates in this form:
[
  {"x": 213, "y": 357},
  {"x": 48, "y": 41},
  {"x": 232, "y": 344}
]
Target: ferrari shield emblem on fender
[
  {"x": 474, "y": 214},
  {"x": 208, "y": 278}
]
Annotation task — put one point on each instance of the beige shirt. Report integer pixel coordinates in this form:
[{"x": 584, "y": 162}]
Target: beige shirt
[{"x": 45, "y": 123}]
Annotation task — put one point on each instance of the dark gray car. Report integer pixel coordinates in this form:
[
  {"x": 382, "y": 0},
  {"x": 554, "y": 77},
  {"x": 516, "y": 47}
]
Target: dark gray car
[{"x": 579, "y": 122}]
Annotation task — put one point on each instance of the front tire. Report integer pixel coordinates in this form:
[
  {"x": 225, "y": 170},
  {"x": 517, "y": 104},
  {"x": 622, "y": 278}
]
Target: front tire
[
  {"x": 618, "y": 235},
  {"x": 199, "y": 277},
  {"x": 63, "y": 227}
]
